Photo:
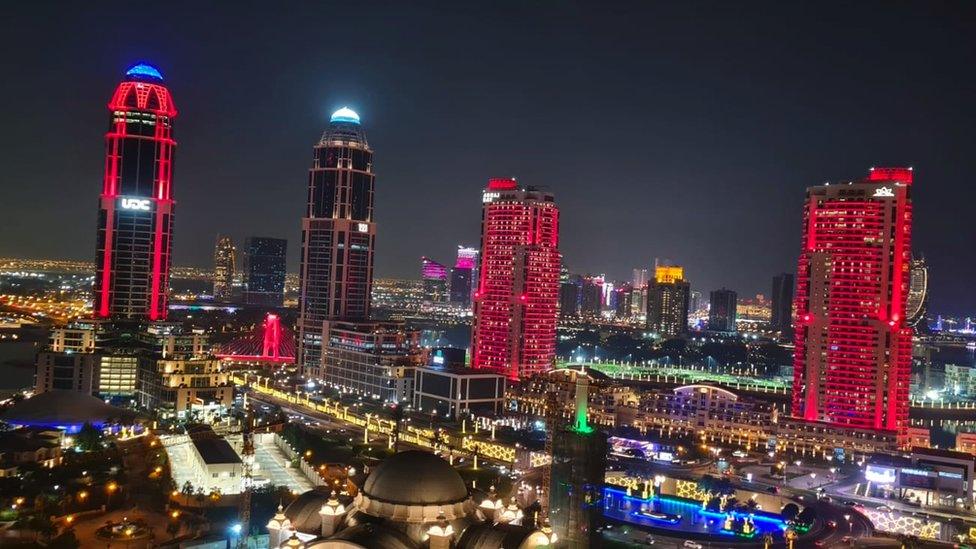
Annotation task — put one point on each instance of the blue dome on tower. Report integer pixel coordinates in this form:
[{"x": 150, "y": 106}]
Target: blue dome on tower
[
  {"x": 345, "y": 114},
  {"x": 143, "y": 70}
]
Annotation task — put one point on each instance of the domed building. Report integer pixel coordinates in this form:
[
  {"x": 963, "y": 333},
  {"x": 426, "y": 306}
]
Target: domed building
[{"x": 412, "y": 500}]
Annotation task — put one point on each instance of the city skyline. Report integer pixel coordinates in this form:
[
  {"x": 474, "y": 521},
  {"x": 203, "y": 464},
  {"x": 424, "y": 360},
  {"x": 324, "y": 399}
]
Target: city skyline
[{"x": 737, "y": 171}]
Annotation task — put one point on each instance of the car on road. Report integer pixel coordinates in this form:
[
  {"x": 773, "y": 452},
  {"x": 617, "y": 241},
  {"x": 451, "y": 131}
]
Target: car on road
[
  {"x": 649, "y": 540},
  {"x": 692, "y": 544},
  {"x": 850, "y": 503},
  {"x": 884, "y": 508},
  {"x": 832, "y": 523}
]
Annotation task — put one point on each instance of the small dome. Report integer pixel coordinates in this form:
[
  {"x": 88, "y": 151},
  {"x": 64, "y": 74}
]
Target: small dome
[
  {"x": 345, "y": 114},
  {"x": 415, "y": 478},
  {"x": 143, "y": 71}
]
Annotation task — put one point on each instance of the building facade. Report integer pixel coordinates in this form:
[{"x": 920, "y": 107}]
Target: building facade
[
  {"x": 225, "y": 267},
  {"x": 463, "y": 275},
  {"x": 264, "y": 271},
  {"x": 338, "y": 234},
  {"x": 517, "y": 301},
  {"x": 177, "y": 386},
  {"x": 668, "y": 297},
  {"x": 852, "y": 359},
  {"x": 456, "y": 392},
  {"x": 66, "y": 371},
  {"x": 371, "y": 359},
  {"x": 435, "y": 279},
  {"x": 782, "y": 302},
  {"x": 722, "y": 310},
  {"x": 136, "y": 207}
]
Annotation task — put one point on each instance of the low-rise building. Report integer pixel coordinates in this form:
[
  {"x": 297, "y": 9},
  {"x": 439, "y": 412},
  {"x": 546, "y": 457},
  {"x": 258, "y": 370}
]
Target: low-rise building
[
  {"x": 455, "y": 392},
  {"x": 28, "y": 446},
  {"x": 217, "y": 466},
  {"x": 66, "y": 371},
  {"x": 926, "y": 476},
  {"x": 181, "y": 385},
  {"x": 374, "y": 359}
]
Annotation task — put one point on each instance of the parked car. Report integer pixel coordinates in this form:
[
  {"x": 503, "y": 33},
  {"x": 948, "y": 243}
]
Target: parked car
[{"x": 692, "y": 544}]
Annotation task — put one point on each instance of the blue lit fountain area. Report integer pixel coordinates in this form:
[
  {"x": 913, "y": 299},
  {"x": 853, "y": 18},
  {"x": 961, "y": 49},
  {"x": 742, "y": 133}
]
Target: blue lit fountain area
[{"x": 720, "y": 515}]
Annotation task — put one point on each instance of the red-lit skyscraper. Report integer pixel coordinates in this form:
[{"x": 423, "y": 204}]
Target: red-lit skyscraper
[
  {"x": 135, "y": 218},
  {"x": 517, "y": 300},
  {"x": 853, "y": 349}
]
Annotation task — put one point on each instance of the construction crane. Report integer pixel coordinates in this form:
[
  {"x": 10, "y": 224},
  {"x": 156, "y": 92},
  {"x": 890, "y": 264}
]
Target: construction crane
[
  {"x": 552, "y": 414},
  {"x": 247, "y": 460}
]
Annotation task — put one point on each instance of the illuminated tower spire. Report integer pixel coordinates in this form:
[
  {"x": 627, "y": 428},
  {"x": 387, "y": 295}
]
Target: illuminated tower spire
[{"x": 135, "y": 221}]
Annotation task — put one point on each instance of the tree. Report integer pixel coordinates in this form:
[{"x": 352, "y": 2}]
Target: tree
[
  {"x": 806, "y": 516},
  {"x": 790, "y": 511},
  {"x": 396, "y": 414},
  {"x": 67, "y": 540},
  {"x": 89, "y": 438},
  {"x": 706, "y": 484}
]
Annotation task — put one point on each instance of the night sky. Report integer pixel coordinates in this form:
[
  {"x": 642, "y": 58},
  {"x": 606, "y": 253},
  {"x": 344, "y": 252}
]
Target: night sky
[{"x": 680, "y": 131}]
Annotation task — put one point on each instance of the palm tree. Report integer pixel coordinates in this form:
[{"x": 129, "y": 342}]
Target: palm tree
[{"x": 396, "y": 414}]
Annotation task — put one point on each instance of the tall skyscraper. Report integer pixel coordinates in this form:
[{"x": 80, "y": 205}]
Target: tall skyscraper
[
  {"x": 722, "y": 310},
  {"x": 135, "y": 217},
  {"x": 638, "y": 299},
  {"x": 517, "y": 302},
  {"x": 435, "y": 279},
  {"x": 338, "y": 235},
  {"x": 782, "y": 307},
  {"x": 225, "y": 266},
  {"x": 668, "y": 297},
  {"x": 463, "y": 275},
  {"x": 591, "y": 296},
  {"x": 569, "y": 297},
  {"x": 264, "y": 271},
  {"x": 852, "y": 359}
]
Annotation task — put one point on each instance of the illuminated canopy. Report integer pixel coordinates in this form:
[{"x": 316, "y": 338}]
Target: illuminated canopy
[
  {"x": 144, "y": 71},
  {"x": 345, "y": 114}
]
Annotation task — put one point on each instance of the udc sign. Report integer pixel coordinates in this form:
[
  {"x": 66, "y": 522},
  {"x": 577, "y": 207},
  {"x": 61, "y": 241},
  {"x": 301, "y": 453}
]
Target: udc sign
[{"x": 142, "y": 204}]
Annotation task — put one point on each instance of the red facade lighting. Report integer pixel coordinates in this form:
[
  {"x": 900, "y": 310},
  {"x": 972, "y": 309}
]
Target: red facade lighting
[
  {"x": 516, "y": 303},
  {"x": 136, "y": 203},
  {"x": 852, "y": 360}
]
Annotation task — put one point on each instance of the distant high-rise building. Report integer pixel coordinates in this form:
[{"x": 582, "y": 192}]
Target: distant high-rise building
[
  {"x": 434, "y": 276},
  {"x": 695, "y": 301},
  {"x": 918, "y": 293},
  {"x": 463, "y": 275},
  {"x": 638, "y": 299},
  {"x": 591, "y": 296},
  {"x": 225, "y": 266},
  {"x": 722, "y": 310},
  {"x": 264, "y": 271},
  {"x": 782, "y": 307},
  {"x": 338, "y": 235},
  {"x": 852, "y": 357},
  {"x": 517, "y": 302},
  {"x": 668, "y": 297},
  {"x": 640, "y": 278},
  {"x": 569, "y": 298},
  {"x": 135, "y": 217}
]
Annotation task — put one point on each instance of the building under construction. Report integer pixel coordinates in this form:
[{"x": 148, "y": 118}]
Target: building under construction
[{"x": 579, "y": 463}]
